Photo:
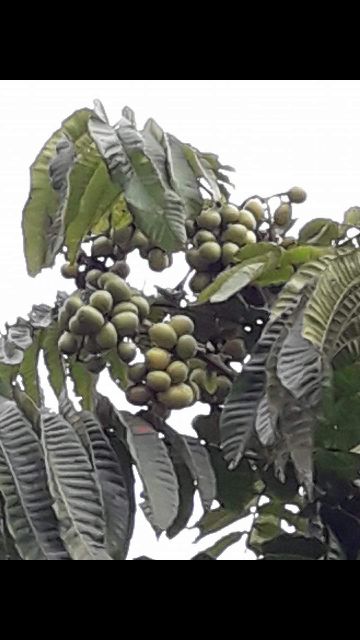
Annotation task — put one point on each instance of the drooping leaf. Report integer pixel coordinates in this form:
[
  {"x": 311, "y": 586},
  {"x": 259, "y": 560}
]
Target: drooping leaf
[
  {"x": 215, "y": 520},
  {"x": 321, "y": 231},
  {"x": 236, "y": 489},
  {"x": 20, "y": 334},
  {"x": 9, "y": 353},
  {"x": 41, "y": 316},
  {"x": 297, "y": 427},
  {"x": 205, "y": 477},
  {"x": 232, "y": 280},
  {"x": 266, "y": 525},
  {"x": 53, "y": 360},
  {"x": 293, "y": 545},
  {"x": 117, "y": 369},
  {"x": 263, "y": 424},
  {"x": 29, "y": 370},
  {"x": 84, "y": 384},
  {"x": 219, "y": 547},
  {"x": 202, "y": 169},
  {"x": 275, "y": 276},
  {"x": 301, "y": 254}
]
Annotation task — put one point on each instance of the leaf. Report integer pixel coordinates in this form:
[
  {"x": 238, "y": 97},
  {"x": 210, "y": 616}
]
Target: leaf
[
  {"x": 266, "y": 526},
  {"x": 29, "y": 370},
  {"x": 294, "y": 545},
  {"x": 219, "y": 547},
  {"x": 258, "y": 249},
  {"x": 28, "y": 508},
  {"x": 182, "y": 178},
  {"x": 205, "y": 477},
  {"x": 117, "y": 369},
  {"x": 236, "y": 489},
  {"x": 20, "y": 334},
  {"x": 84, "y": 384},
  {"x": 352, "y": 216},
  {"x": 301, "y": 254},
  {"x": 215, "y": 520},
  {"x": 297, "y": 427},
  {"x": 53, "y": 360},
  {"x": 42, "y": 205},
  {"x": 41, "y": 316},
  {"x": 321, "y": 231},
  {"x": 275, "y": 276},
  {"x": 9, "y": 354},
  {"x": 186, "y": 496},
  {"x": 73, "y": 486},
  {"x": 202, "y": 169},
  {"x": 232, "y": 280},
  {"x": 263, "y": 424}
]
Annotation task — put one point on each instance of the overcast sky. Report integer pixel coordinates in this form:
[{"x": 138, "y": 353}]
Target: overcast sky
[{"x": 276, "y": 134}]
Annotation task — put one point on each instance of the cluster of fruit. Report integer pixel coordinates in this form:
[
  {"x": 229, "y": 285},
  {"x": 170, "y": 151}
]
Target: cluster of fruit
[{"x": 216, "y": 236}]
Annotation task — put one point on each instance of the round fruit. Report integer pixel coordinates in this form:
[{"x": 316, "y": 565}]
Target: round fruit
[
  {"x": 203, "y": 236},
  {"x": 69, "y": 270},
  {"x": 256, "y": 209},
  {"x": 95, "y": 365},
  {"x": 209, "y": 219},
  {"x": 75, "y": 327},
  {"x": 199, "y": 281},
  {"x": 72, "y": 304},
  {"x": 126, "y": 323},
  {"x": 163, "y": 335},
  {"x": 182, "y": 324},
  {"x": 122, "y": 236},
  {"x": 121, "y": 268},
  {"x": 93, "y": 276},
  {"x": 186, "y": 347},
  {"x": 142, "y": 305},
  {"x": 196, "y": 363},
  {"x": 282, "y": 215},
  {"x": 229, "y": 213},
  {"x": 158, "y": 260},
  {"x": 107, "y": 336},
  {"x": 157, "y": 359},
  {"x": 118, "y": 288},
  {"x": 228, "y": 251},
  {"x": 296, "y": 195},
  {"x": 198, "y": 376},
  {"x": 124, "y": 306},
  {"x": 210, "y": 251},
  {"x": 139, "y": 395},
  {"x": 247, "y": 219},
  {"x": 68, "y": 343},
  {"x": 178, "y": 396},
  {"x": 139, "y": 240},
  {"x": 250, "y": 237},
  {"x": 63, "y": 319},
  {"x": 136, "y": 372},
  {"x": 235, "y": 348},
  {"x": 178, "y": 371},
  {"x": 158, "y": 380},
  {"x": 223, "y": 388},
  {"x": 195, "y": 261},
  {"x": 102, "y": 246},
  {"x": 127, "y": 352},
  {"x": 101, "y": 300},
  {"x": 235, "y": 233},
  {"x": 89, "y": 320}
]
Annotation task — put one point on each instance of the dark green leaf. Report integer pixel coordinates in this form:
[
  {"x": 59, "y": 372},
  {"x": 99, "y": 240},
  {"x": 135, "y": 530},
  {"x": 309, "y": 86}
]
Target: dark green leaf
[
  {"x": 219, "y": 547},
  {"x": 320, "y": 231},
  {"x": 53, "y": 360}
]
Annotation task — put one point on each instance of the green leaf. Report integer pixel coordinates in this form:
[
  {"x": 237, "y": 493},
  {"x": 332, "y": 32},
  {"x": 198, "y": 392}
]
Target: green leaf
[
  {"x": 182, "y": 178},
  {"x": 352, "y": 216},
  {"x": 20, "y": 334},
  {"x": 275, "y": 276},
  {"x": 220, "y": 546},
  {"x": 202, "y": 169},
  {"x": 117, "y": 369},
  {"x": 267, "y": 525},
  {"x": 215, "y": 520},
  {"x": 9, "y": 353},
  {"x": 294, "y": 545},
  {"x": 53, "y": 360},
  {"x": 230, "y": 281},
  {"x": 321, "y": 231},
  {"x": 29, "y": 370},
  {"x": 205, "y": 477},
  {"x": 236, "y": 489},
  {"x": 258, "y": 249},
  {"x": 84, "y": 384},
  {"x": 301, "y": 254}
]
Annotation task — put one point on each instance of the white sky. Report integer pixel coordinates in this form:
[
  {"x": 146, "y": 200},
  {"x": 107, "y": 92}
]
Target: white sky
[{"x": 275, "y": 133}]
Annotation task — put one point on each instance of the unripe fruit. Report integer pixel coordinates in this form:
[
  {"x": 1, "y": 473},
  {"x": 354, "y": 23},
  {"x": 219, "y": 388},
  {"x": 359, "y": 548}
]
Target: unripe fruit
[
  {"x": 101, "y": 300},
  {"x": 247, "y": 219},
  {"x": 102, "y": 247},
  {"x": 256, "y": 209},
  {"x": 178, "y": 396},
  {"x": 223, "y": 389},
  {"x": 198, "y": 376},
  {"x": 190, "y": 228},
  {"x": 138, "y": 395},
  {"x": 199, "y": 281},
  {"x": 203, "y": 236},
  {"x": 209, "y": 219},
  {"x": 124, "y": 306},
  {"x": 196, "y": 391},
  {"x": 105, "y": 278},
  {"x": 178, "y": 371},
  {"x": 228, "y": 251},
  {"x": 196, "y": 363},
  {"x": 139, "y": 240},
  {"x": 144, "y": 252},
  {"x": 95, "y": 365},
  {"x": 93, "y": 276},
  {"x": 186, "y": 347},
  {"x": 210, "y": 251},
  {"x": 91, "y": 345},
  {"x": 229, "y": 213},
  {"x": 235, "y": 233},
  {"x": 182, "y": 324},
  {"x": 296, "y": 195},
  {"x": 69, "y": 270},
  {"x": 89, "y": 320},
  {"x": 68, "y": 343},
  {"x": 118, "y": 288},
  {"x": 195, "y": 261},
  {"x": 158, "y": 260},
  {"x": 157, "y": 359},
  {"x": 121, "y": 268},
  {"x": 142, "y": 306},
  {"x": 136, "y": 372},
  {"x": 122, "y": 236},
  {"x": 282, "y": 215},
  {"x": 107, "y": 336},
  {"x": 163, "y": 335},
  {"x": 72, "y": 304},
  {"x": 235, "y": 348},
  {"x": 63, "y": 319},
  {"x": 75, "y": 327},
  {"x": 126, "y": 323},
  {"x": 127, "y": 352},
  {"x": 158, "y": 380},
  {"x": 250, "y": 237}
]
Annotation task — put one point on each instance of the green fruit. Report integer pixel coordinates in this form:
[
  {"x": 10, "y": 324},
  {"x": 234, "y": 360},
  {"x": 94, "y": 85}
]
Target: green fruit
[
  {"x": 107, "y": 336},
  {"x": 126, "y": 323},
  {"x": 142, "y": 305},
  {"x": 194, "y": 260},
  {"x": 101, "y": 300},
  {"x": 91, "y": 345},
  {"x": 89, "y": 320},
  {"x": 102, "y": 247},
  {"x": 282, "y": 215},
  {"x": 229, "y": 213},
  {"x": 63, "y": 319},
  {"x": 118, "y": 288},
  {"x": 186, "y": 347},
  {"x": 127, "y": 352},
  {"x": 68, "y": 343},
  {"x": 203, "y": 236},
  {"x": 93, "y": 276},
  {"x": 250, "y": 237},
  {"x": 228, "y": 251},
  {"x": 158, "y": 260},
  {"x": 210, "y": 251},
  {"x": 139, "y": 240},
  {"x": 296, "y": 195},
  {"x": 158, "y": 380},
  {"x": 198, "y": 376},
  {"x": 163, "y": 335},
  {"x": 190, "y": 228},
  {"x": 209, "y": 219},
  {"x": 136, "y": 372},
  {"x": 196, "y": 363},
  {"x": 223, "y": 387},
  {"x": 75, "y": 327},
  {"x": 72, "y": 304},
  {"x": 124, "y": 306},
  {"x": 235, "y": 233},
  {"x": 235, "y": 348},
  {"x": 199, "y": 281},
  {"x": 122, "y": 236},
  {"x": 157, "y": 359},
  {"x": 95, "y": 365},
  {"x": 121, "y": 268},
  {"x": 178, "y": 396},
  {"x": 144, "y": 252},
  {"x": 69, "y": 270},
  {"x": 139, "y": 395},
  {"x": 247, "y": 219},
  {"x": 178, "y": 371},
  {"x": 182, "y": 324},
  {"x": 256, "y": 208}
]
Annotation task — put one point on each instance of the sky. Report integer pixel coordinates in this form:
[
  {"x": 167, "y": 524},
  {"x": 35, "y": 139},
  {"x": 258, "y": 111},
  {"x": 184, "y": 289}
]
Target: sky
[{"x": 275, "y": 133}]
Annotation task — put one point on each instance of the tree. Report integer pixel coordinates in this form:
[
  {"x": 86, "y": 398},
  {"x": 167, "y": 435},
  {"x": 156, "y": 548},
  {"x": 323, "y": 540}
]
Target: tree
[{"x": 281, "y": 441}]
